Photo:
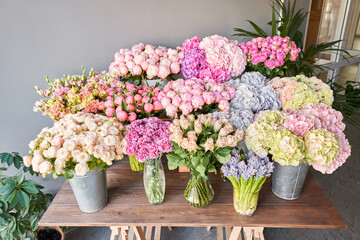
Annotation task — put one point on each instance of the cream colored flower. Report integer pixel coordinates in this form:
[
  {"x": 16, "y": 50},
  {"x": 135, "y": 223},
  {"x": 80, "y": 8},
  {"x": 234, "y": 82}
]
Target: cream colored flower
[
  {"x": 110, "y": 140},
  {"x": 209, "y": 144},
  {"x": 105, "y": 157},
  {"x": 69, "y": 145},
  {"x": 38, "y": 153},
  {"x": 173, "y": 127},
  {"x": 59, "y": 165},
  {"x": 192, "y": 146},
  {"x": 75, "y": 153},
  {"x": 177, "y": 136},
  {"x": 81, "y": 169},
  {"x": 239, "y": 134},
  {"x": 98, "y": 151},
  {"x": 113, "y": 130},
  {"x": 184, "y": 123},
  {"x": 45, "y": 167},
  {"x": 221, "y": 142},
  {"x": 227, "y": 129},
  {"x": 57, "y": 141},
  {"x": 63, "y": 154},
  {"x": 32, "y": 145},
  {"x": 176, "y": 122},
  {"x": 90, "y": 150},
  {"x": 191, "y": 117},
  {"x": 198, "y": 126},
  {"x": 218, "y": 124},
  {"x": 231, "y": 141},
  {"x": 36, "y": 161},
  {"x": 27, "y": 160},
  {"x": 83, "y": 157},
  {"x": 192, "y": 136},
  {"x": 44, "y": 144}
]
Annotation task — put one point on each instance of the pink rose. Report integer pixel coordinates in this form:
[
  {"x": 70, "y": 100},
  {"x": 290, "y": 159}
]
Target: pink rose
[
  {"x": 166, "y": 62},
  {"x": 100, "y": 106},
  {"x": 164, "y": 71},
  {"x": 110, "y": 111},
  {"x": 197, "y": 102},
  {"x": 175, "y": 67},
  {"x": 231, "y": 91},
  {"x": 130, "y": 65},
  {"x": 270, "y": 64},
  {"x": 158, "y": 106},
  {"x": 121, "y": 115},
  {"x": 109, "y": 103},
  {"x": 165, "y": 102},
  {"x": 129, "y": 99},
  {"x": 171, "y": 94},
  {"x": 208, "y": 97},
  {"x": 137, "y": 70},
  {"x": 145, "y": 66},
  {"x": 186, "y": 108},
  {"x": 145, "y": 99},
  {"x": 224, "y": 105},
  {"x": 186, "y": 96},
  {"x": 205, "y": 74},
  {"x": 138, "y": 97},
  {"x": 225, "y": 95},
  {"x": 139, "y": 59},
  {"x": 118, "y": 100},
  {"x": 152, "y": 71},
  {"x": 123, "y": 70},
  {"x": 130, "y": 108},
  {"x": 171, "y": 110},
  {"x": 148, "y": 107},
  {"x": 176, "y": 101},
  {"x": 132, "y": 117}
]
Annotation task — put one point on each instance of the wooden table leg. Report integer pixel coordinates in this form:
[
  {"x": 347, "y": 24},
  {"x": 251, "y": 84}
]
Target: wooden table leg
[
  {"x": 124, "y": 232},
  {"x": 256, "y": 232},
  {"x": 139, "y": 233},
  {"x": 157, "y": 233},
  {"x": 227, "y": 232},
  {"x": 148, "y": 232},
  {"x": 235, "y": 233},
  {"x": 220, "y": 235},
  {"x": 114, "y": 232},
  {"x": 208, "y": 228}
]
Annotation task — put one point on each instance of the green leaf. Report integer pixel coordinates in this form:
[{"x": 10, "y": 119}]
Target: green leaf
[
  {"x": 273, "y": 22},
  {"x": 4, "y": 157},
  {"x": 92, "y": 165},
  {"x": 10, "y": 159},
  {"x": 24, "y": 199},
  {"x": 7, "y": 189},
  {"x": 17, "y": 161},
  {"x": 20, "y": 177},
  {"x": 261, "y": 32},
  {"x": 30, "y": 189},
  {"x": 10, "y": 181},
  {"x": 2, "y": 221},
  {"x": 222, "y": 159},
  {"x": 123, "y": 105},
  {"x": 173, "y": 160},
  {"x": 224, "y": 152},
  {"x": 195, "y": 161}
]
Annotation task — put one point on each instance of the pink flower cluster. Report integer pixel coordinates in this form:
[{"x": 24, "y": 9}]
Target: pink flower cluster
[
  {"x": 271, "y": 51},
  {"x": 320, "y": 116},
  {"x": 285, "y": 87},
  {"x": 220, "y": 58},
  {"x": 146, "y": 62},
  {"x": 130, "y": 102},
  {"x": 148, "y": 138},
  {"x": 195, "y": 95}
]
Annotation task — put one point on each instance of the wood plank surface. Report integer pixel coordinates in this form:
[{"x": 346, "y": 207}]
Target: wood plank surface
[{"x": 128, "y": 205}]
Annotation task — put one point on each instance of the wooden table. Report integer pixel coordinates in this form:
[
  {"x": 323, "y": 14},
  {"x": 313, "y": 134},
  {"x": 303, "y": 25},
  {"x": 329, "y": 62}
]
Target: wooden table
[{"x": 129, "y": 207}]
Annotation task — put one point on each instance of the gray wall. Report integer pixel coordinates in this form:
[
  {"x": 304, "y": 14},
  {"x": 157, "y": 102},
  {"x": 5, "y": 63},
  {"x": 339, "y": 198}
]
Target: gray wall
[{"x": 42, "y": 37}]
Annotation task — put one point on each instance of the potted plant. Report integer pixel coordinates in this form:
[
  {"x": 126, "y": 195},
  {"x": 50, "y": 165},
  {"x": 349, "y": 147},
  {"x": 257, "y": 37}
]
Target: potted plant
[
  {"x": 148, "y": 139},
  {"x": 22, "y": 204},
  {"x": 201, "y": 143},
  {"x": 296, "y": 139},
  {"x": 79, "y": 147}
]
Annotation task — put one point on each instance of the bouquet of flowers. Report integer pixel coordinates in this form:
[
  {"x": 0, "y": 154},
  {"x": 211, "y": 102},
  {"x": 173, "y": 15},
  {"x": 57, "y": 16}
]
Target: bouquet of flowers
[
  {"x": 201, "y": 143},
  {"x": 129, "y": 102},
  {"x": 72, "y": 94},
  {"x": 76, "y": 144},
  {"x": 214, "y": 57},
  {"x": 195, "y": 95},
  {"x": 144, "y": 61},
  {"x": 314, "y": 135},
  {"x": 271, "y": 55},
  {"x": 240, "y": 119},
  {"x": 297, "y": 92},
  {"x": 247, "y": 175},
  {"x": 148, "y": 139},
  {"x": 253, "y": 94}
]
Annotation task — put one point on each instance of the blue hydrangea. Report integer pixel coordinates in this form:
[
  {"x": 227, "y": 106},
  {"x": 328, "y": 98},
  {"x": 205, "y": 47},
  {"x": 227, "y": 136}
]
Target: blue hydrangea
[
  {"x": 254, "y": 78},
  {"x": 247, "y": 166},
  {"x": 240, "y": 119}
]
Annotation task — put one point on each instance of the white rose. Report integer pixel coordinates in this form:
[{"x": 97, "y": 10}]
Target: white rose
[
  {"x": 32, "y": 144},
  {"x": 81, "y": 169},
  {"x": 104, "y": 132},
  {"x": 63, "y": 154},
  {"x": 105, "y": 157},
  {"x": 209, "y": 144},
  {"x": 69, "y": 145},
  {"x": 27, "y": 160},
  {"x": 113, "y": 130},
  {"x": 45, "y": 167},
  {"x": 37, "y": 153},
  {"x": 231, "y": 141},
  {"x": 37, "y": 160},
  {"x": 110, "y": 140},
  {"x": 112, "y": 156},
  {"x": 90, "y": 150},
  {"x": 59, "y": 165},
  {"x": 218, "y": 124},
  {"x": 83, "y": 157},
  {"x": 75, "y": 153},
  {"x": 98, "y": 151}
]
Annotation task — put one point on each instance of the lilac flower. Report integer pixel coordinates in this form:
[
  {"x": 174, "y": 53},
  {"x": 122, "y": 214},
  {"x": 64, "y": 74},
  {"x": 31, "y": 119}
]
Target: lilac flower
[
  {"x": 240, "y": 119},
  {"x": 254, "y": 78},
  {"x": 193, "y": 63}
]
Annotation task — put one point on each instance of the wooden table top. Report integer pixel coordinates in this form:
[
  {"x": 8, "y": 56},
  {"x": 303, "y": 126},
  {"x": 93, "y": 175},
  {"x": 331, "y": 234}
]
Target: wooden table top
[{"x": 128, "y": 205}]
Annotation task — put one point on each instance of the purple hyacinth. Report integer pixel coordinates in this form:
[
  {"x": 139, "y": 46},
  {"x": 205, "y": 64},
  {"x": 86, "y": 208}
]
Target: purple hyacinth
[{"x": 193, "y": 62}]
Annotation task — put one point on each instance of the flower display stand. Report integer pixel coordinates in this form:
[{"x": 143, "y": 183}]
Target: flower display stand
[{"x": 128, "y": 212}]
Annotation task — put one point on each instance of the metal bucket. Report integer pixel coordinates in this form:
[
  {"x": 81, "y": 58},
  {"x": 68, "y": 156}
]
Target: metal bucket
[
  {"x": 90, "y": 191},
  {"x": 287, "y": 181},
  {"x": 153, "y": 82}
]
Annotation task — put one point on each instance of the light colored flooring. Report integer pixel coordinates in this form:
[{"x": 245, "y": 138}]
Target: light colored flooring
[{"x": 343, "y": 188}]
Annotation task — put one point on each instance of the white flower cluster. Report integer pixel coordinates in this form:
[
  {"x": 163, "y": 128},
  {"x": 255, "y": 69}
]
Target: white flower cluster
[{"x": 72, "y": 141}]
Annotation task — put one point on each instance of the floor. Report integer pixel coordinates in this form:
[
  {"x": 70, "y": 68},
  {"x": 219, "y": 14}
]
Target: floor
[{"x": 343, "y": 188}]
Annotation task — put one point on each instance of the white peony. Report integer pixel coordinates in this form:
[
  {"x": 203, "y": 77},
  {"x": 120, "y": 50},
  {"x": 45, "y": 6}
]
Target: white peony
[
  {"x": 98, "y": 151},
  {"x": 59, "y": 165},
  {"x": 81, "y": 169},
  {"x": 63, "y": 154},
  {"x": 110, "y": 140},
  {"x": 45, "y": 167},
  {"x": 113, "y": 130},
  {"x": 83, "y": 157},
  {"x": 69, "y": 145},
  {"x": 27, "y": 160}
]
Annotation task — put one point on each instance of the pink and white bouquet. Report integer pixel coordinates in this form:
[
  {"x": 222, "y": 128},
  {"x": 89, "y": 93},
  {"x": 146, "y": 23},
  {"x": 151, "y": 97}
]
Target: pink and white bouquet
[
  {"x": 129, "y": 102},
  {"x": 72, "y": 94},
  {"x": 314, "y": 135},
  {"x": 297, "y": 92},
  {"x": 214, "y": 57},
  {"x": 148, "y": 138},
  {"x": 76, "y": 144},
  {"x": 270, "y": 55},
  {"x": 144, "y": 61},
  {"x": 195, "y": 96}
]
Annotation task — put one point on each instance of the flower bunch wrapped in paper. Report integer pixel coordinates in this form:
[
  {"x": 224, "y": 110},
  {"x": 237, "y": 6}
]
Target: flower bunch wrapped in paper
[
  {"x": 148, "y": 139},
  {"x": 247, "y": 173},
  {"x": 201, "y": 143},
  {"x": 76, "y": 144},
  {"x": 195, "y": 96},
  {"x": 214, "y": 57},
  {"x": 314, "y": 135},
  {"x": 144, "y": 61},
  {"x": 253, "y": 94},
  {"x": 129, "y": 102},
  {"x": 271, "y": 55},
  {"x": 297, "y": 92},
  {"x": 72, "y": 94}
]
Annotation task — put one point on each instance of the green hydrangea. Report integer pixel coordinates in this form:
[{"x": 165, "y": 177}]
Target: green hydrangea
[
  {"x": 287, "y": 148},
  {"x": 322, "y": 147}
]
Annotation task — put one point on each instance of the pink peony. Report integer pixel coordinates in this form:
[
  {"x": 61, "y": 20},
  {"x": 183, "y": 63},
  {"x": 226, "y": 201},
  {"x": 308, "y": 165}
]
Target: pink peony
[
  {"x": 130, "y": 108},
  {"x": 164, "y": 71},
  {"x": 129, "y": 99},
  {"x": 165, "y": 101},
  {"x": 138, "y": 97},
  {"x": 110, "y": 111},
  {"x": 121, "y": 115},
  {"x": 208, "y": 97},
  {"x": 224, "y": 105},
  {"x": 176, "y": 101},
  {"x": 171, "y": 110},
  {"x": 132, "y": 117},
  {"x": 145, "y": 99},
  {"x": 118, "y": 100},
  {"x": 158, "y": 106},
  {"x": 186, "y": 108},
  {"x": 175, "y": 67},
  {"x": 197, "y": 102}
]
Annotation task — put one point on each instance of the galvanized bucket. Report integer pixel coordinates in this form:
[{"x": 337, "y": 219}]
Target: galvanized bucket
[
  {"x": 287, "y": 181},
  {"x": 90, "y": 191}
]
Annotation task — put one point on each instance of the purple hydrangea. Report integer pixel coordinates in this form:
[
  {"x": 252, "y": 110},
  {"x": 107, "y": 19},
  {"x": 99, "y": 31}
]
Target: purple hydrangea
[
  {"x": 193, "y": 62},
  {"x": 247, "y": 166},
  {"x": 254, "y": 78},
  {"x": 148, "y": 138}
]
